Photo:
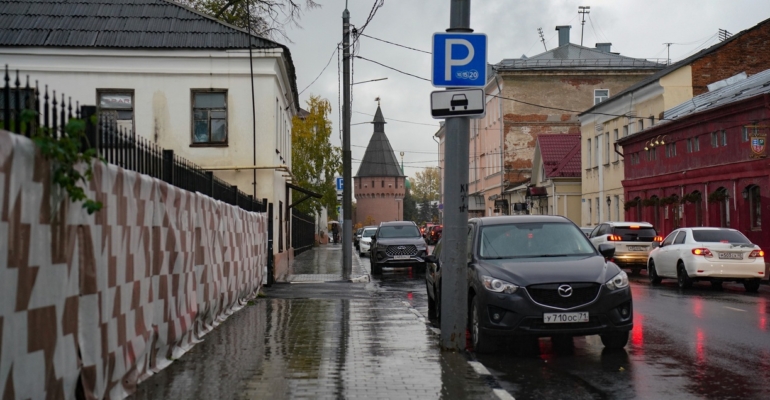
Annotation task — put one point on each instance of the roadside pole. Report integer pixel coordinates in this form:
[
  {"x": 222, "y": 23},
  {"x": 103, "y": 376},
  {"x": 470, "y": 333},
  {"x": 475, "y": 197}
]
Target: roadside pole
[
  {"x": 454, "y": 278},
  {"x": 347, "y": 225}
]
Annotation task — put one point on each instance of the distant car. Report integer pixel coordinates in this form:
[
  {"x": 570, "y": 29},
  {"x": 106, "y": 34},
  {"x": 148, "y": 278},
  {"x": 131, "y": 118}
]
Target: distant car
[
  {"x": 434, "y": 234},
  {"x": 398, "y": 244},
  {"x": 425, "y": 229},
  {"x": 712, "y": 254},
  {"x": 587, "y": 230},
  {"x": 632, "y": 241},
  {"x": 357, "y": 237},
  {"x": 537, "y": 276},
  {"x": 366, "y": 240},
  {"x": 458, "y": 100}
]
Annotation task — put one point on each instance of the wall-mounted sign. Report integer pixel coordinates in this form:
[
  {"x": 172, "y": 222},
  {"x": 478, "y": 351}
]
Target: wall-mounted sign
[{"x": 758, "y": 141}]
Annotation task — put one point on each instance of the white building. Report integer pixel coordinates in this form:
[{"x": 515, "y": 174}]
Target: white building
[{"x": 177, "y": 77}]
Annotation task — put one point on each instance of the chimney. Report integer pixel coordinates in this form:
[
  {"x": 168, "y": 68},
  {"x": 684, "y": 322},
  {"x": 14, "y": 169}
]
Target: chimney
[
  {"x": 604, "y": 47},
  {"x": 563, "y": 34}
]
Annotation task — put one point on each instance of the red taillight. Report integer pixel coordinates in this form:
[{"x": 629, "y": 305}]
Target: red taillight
[
  {"x": 702, "y": 252},
  {"x": 757, "y": 253},
  {"x": 657, "y": 239},
  {"x": 614, "y": 238}
]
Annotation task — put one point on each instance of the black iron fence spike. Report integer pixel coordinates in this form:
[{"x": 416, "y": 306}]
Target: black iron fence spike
[
  {"x": 7, "y": 99},
  {"x": 17, "y": 104},
  {"x": 62, "y": 114},
  {"x": 54, "y": 112}
]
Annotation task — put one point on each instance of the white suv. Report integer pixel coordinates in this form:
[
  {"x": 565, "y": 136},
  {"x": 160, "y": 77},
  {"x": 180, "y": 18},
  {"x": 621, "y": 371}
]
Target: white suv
[{"x": 632, "y": 241}]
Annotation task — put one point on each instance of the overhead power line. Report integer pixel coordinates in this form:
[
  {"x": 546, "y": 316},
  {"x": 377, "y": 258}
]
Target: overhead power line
[
  {"x": 322, "y": 71},
  {"x": 396, "y": 44},
  {"x": 394, "y": 69}
]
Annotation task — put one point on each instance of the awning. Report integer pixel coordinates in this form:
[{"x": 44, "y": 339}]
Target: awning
[{"x": 308, "y": 194}]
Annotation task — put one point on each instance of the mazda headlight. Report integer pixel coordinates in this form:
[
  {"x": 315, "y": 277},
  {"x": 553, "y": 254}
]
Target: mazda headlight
[
  {"x": 619, "y": 281},
  {"x": 498, "y": 286}
]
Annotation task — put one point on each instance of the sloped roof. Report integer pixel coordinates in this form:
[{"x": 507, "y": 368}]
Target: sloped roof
[
  {"x": 379, "y": 159},
  {"x": 560, "y": 154},
  {"x": 673, "y": 67},
  {"x": 754, "y": 85},
  {"x": 573, "y": 56},
  {"x": 124, "y": 24}
]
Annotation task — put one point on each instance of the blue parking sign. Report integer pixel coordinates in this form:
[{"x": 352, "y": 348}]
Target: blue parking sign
[{"x": 459, "y": 59}]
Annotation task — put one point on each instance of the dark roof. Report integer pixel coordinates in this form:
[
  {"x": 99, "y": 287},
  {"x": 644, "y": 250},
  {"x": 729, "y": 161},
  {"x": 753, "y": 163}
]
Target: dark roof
[
  {"x": 560, "y": 154},
  {"x": 673, "y": 67},
  {"x": 743, "y": 89},
  {"x": 572, "y": 56},
  {"x": 379, "y": 159},
  {"x": 125, "y": 24}
]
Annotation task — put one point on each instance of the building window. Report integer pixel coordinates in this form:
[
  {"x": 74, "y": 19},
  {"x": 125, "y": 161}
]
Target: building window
[
  {"x": 601, "y": 95},
  {"x": 383, "y": 183},
  {"x": 755, "y": 208},
  {"x": 689, "y": 145},
  {"x": 745, "y": 134},
  {"x": 696, "y": 144},
  {"x": 117, "y": 106},
  {"x": 589, "y": 153},
  {"x": 616, "y": 201},
  {"x": 652, "y": 121},
  {"x": 714, "y": 139},
  {"x": 606, "y": 148},
  {"x": 724, "y": 138},
  {"x": 596, "y": 150},
  {"x": 724, "y": 212},
  {"x": 625, "y": 130},
  {"x": 590, "y": 212},
  {"x": 615, "y": 140},
  {"x": 209, "y": 117},
  {"x": 671, "y": 150},
  {"x": 641, "y": 124}
]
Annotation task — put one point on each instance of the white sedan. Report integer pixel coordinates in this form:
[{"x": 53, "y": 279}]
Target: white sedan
[
  {"x": 365, "y": 245},
  {"x": 712, "y": 254}
]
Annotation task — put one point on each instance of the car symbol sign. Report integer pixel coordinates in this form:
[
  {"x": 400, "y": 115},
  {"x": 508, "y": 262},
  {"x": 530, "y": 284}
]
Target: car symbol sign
[{"x": 565, "y": 290}]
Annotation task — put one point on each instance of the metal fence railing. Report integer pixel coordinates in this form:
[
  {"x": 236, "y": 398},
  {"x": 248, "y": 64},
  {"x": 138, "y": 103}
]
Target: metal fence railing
[
  {"x": 24, "y": 111},
  {"x": 302, "y": 231}
]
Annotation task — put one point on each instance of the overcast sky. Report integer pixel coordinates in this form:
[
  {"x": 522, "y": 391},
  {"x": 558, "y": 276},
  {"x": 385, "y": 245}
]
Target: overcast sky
[{"x": 636, "y": 28}]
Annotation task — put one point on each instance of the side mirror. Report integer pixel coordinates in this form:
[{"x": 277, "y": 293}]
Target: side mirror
[
  {"x": 607, "y": 250},
  {"x": 431, "y": 258},
  {"x": 655, "y": 245}
]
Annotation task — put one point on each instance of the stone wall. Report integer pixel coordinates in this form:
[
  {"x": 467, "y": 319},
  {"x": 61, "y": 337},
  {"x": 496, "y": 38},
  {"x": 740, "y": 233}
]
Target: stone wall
[{"x": 100, "y": 302}]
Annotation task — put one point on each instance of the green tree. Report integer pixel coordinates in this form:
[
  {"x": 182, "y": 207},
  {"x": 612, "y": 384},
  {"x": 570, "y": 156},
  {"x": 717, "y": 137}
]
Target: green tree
[
  {"x": 410, "y": 206},
  {"x": 268, "y": 17},
  {"x": 424, "y": 214},
  {"x": 315, "y": 162},
  {"x": 425, "y": 185}
]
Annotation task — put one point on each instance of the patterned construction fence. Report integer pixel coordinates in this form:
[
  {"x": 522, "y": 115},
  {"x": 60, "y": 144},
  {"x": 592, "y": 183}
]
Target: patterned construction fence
[{"x": 97, "y": 303}]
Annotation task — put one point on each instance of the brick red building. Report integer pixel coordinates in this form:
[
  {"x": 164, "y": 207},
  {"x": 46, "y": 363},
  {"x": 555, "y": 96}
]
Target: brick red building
[
  {"x": 379, "y": 182},
  {"x": 706, "y": 163}
]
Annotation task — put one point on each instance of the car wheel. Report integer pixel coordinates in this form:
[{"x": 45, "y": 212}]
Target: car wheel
[
  {"x": 682, "y": 278},
  {"x": 431, "y": 303},
  {"x": 716, "y": 284},
  {"x": 481, "y": 342},
  {"x": 615, "y": 340},
  {"x": 652, "y": 273},
  {"x": 751, "y": 285},
  {"x": 376, "y": 267}
]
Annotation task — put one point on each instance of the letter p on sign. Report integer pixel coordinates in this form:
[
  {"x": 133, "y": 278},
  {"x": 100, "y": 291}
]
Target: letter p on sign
[{"x": 459, "y": 60}]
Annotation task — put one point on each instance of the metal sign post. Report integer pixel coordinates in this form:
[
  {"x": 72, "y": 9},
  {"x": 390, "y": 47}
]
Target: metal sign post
[{"x": 347, "y": 224}]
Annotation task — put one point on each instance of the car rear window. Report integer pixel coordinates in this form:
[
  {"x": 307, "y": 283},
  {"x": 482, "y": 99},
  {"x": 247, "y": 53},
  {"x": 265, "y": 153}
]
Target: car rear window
[
  {"x": 369, "y": 232},
  {"x": 718, "y": 236},
  {"x": 404, "y": 231},
  {"x": 640, "y": 234},
  {"x": 524, "y": 240}
]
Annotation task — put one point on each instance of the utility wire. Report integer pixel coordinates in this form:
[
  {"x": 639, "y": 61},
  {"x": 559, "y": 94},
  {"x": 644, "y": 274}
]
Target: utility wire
[
  {"x": 394, "y": 69},
  {"x": 396, "y": 44},
  {"x": 322, "y": 71},
  {"x": 398, "y": 120}
]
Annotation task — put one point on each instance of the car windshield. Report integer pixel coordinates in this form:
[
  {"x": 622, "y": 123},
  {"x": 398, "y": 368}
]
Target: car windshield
[
  {"x": 638, "y": 234},
  {"x": 546, "y": 239},
  {"x": 402, "y": 231},
  {"x": 718, "y": 236},
  {"x": 369, "y": 232}
]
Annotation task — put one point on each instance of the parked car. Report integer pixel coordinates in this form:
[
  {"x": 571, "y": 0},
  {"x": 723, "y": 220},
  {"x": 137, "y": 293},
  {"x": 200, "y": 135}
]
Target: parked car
[
  {"x": 398, "y": 244},
  {"x": 632, "y": 241},
  {"x": 357, "y": 237},
  {"x": 712, "y": 254},
  {"x": 425, "y": 229},
  {"x": 538, "y": 276},
  {"x": 434, "y": 234},
  {"x": 587, "y": 230},
  {"x": 366, "y": 240}
]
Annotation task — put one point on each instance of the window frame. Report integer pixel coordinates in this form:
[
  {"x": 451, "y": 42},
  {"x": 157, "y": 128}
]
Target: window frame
[
  {"x": 100, "y": 109},
  {"x": 601, "y": 98},
  {"x": 589, "y": 153},
  {"x": 209, "y": 143}
]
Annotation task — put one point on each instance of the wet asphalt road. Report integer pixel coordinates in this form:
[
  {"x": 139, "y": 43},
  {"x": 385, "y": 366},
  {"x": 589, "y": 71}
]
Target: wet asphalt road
[{"x": 698, "y": 343}]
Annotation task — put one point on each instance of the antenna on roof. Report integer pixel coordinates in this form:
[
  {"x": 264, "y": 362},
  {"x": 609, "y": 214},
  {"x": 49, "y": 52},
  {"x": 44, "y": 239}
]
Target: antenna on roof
[
  {"x": 723, "y": 35},
  {"x": 583, "y": 10},
  {"x": 668, "y": 48},
  {"x": 542, "y": 38}
]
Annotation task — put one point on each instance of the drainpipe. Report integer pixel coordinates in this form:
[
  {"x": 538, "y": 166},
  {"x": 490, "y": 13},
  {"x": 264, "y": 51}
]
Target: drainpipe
[
  {"x": 502, "y": 150},
  {"x": 554, "y": 210}
]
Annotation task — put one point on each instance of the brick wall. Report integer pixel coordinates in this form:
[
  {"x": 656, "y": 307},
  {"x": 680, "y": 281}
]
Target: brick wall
[{"x": 379, "y": 202}]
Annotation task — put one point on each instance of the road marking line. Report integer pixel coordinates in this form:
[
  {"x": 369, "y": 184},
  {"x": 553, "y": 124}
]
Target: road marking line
[
  {"x": 734, "y": 309},
  {"x": 502, "y": 394},
  {"x": 479, "y": 368}
]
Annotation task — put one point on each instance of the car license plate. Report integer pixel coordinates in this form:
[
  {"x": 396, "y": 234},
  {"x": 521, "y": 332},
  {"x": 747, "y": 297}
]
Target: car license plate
[
  {"x": 637, "y": 248},
  {"x": 731, "y": 256},
  {"x": 400, "y": 257},
  {"x": 561, "y": 318}
]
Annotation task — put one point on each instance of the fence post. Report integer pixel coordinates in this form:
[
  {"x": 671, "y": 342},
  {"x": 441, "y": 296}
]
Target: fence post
[
  {"x": 168, "y": 166},
  {"x": 270, "y": 266},
  {"x": 92, "y": 139},
  {"x": 210, "y": 183},
  {"x": 235, "y": 195},
  {"x": 264, "y": 205}
]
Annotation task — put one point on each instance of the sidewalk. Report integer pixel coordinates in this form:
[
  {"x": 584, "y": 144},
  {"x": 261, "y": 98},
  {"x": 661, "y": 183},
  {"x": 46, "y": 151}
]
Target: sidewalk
[
  {"x": 324, "y": 264},
  {"x": 334, "y": 340}
]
